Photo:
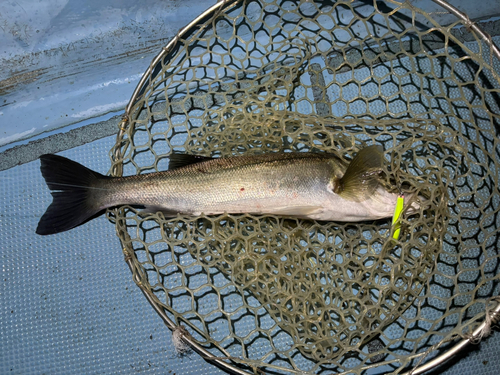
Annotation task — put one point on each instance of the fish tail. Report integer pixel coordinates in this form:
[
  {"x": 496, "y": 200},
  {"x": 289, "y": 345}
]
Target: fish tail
[
  {"x": 361, "y": 177},
  {"x": 74, "y": 196}
]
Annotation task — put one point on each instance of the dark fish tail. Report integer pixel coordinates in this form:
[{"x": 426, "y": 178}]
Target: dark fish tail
[{"x": 73, "y": 188}]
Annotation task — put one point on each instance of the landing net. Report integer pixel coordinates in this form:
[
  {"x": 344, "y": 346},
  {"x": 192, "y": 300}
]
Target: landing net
[{"x": 284, "y": 295}]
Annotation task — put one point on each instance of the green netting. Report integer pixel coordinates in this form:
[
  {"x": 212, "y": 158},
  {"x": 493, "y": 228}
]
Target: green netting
[{"x": 289, "y": 295}]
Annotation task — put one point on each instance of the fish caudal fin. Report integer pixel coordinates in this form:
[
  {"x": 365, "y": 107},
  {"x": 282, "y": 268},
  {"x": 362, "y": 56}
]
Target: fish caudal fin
[
  {"x": 361, "y": 178},
  {"x": 73, "y": 190}
]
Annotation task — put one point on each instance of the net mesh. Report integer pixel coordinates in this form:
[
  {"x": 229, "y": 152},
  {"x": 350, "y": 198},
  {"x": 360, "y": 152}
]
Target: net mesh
[{"x": 286, "y": 295}]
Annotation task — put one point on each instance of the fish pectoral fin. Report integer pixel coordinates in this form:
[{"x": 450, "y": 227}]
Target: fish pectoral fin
[
  {"x": 298, "y": 211},
  {"x": 361, "y": 178},
  {"x": 178, "y": 160}
]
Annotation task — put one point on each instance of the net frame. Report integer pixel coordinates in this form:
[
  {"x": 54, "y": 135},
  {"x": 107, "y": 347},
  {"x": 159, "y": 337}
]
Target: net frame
[{"x": 117, "y": 170}]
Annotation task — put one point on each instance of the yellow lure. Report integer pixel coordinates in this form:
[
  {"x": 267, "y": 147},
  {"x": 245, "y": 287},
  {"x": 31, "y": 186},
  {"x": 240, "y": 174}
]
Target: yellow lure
[{"x": 397, "y": 213}]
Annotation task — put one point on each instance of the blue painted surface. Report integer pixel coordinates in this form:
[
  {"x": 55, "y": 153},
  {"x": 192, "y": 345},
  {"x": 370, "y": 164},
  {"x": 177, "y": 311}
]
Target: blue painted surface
[{"x": 64, "y": 61}]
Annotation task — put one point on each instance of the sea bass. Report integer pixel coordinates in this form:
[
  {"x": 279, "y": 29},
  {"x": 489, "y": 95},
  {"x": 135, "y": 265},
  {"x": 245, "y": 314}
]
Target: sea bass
[{"x": 317, "y": 186}]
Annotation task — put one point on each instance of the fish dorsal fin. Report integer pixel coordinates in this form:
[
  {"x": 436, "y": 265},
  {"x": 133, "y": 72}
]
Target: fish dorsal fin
[
  {"x": 178, "y": 160},
  {"x": 362, "y": 175}
]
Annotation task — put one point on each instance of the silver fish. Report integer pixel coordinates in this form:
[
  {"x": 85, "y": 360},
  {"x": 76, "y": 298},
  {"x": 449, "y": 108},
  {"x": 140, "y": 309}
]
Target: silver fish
[{"x": 316, "y": 186}]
